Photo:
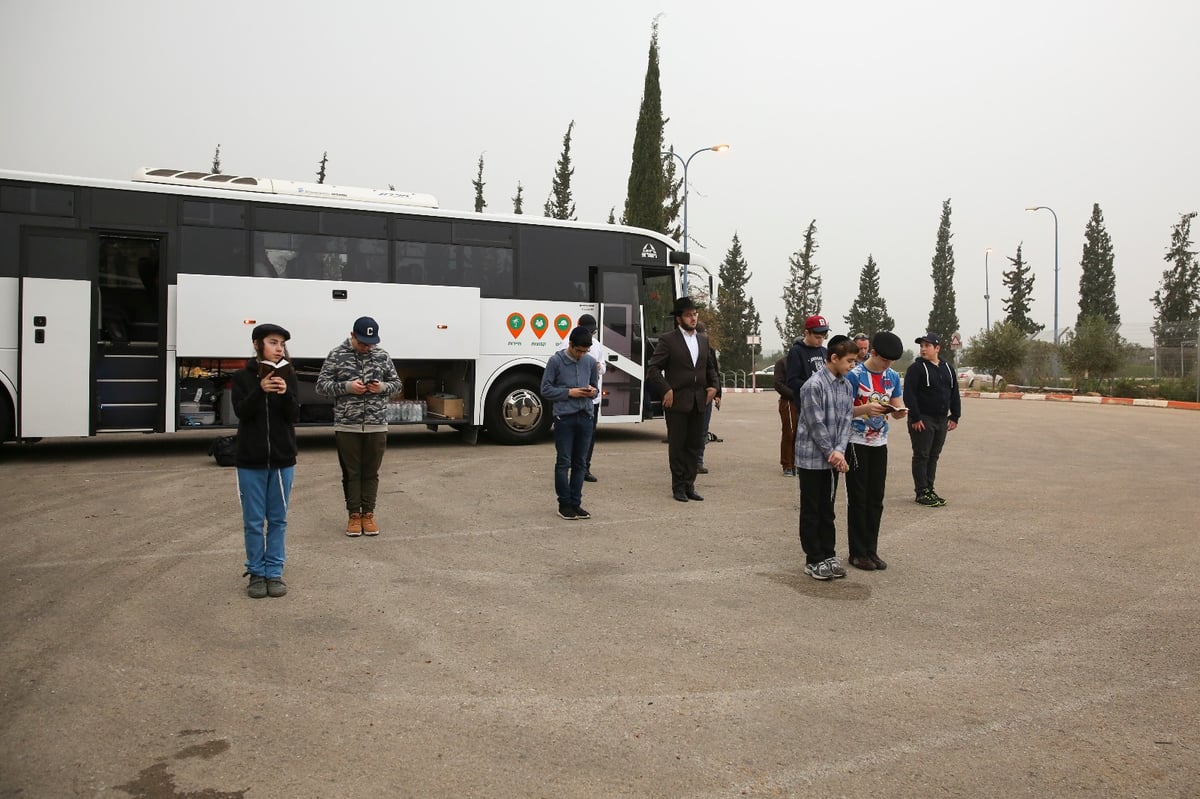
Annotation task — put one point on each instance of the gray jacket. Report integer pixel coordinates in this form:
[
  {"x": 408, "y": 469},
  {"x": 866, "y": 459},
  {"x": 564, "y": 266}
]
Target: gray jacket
[{"x": 363, "y": 413}]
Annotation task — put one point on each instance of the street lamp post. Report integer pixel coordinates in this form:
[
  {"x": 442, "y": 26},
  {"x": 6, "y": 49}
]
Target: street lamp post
[
  {"x": 987, "y": 298},
  {"x": 1051, "y": 210},
  {"x": 716, "y": 148}
]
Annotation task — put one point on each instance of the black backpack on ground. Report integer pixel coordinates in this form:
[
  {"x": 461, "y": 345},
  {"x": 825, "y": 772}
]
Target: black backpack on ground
[{"x": 224, "y": 449}]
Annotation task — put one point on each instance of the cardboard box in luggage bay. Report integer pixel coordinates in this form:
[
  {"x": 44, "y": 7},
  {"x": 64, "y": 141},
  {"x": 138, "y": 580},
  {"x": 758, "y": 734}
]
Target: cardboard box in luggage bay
[{"x": 445, "y": 405}]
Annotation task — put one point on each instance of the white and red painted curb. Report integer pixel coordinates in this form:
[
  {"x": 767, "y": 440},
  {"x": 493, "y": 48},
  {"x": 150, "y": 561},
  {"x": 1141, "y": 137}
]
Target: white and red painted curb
[{"x": 1094, "y": 400}]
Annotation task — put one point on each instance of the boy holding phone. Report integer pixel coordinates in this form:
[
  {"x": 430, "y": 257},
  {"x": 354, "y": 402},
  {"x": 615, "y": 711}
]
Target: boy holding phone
[
  {"x": 360, "y": 375},
  {"x": 877, "y": 393}
]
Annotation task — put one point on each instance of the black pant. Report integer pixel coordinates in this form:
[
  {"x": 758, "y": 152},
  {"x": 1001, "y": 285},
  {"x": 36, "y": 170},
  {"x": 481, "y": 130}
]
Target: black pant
[
  {"x": 926, "y": 447},
  {"x": 587, "y": 465},
  {"x": 865, "y": 484},
  {"x": 817, "y": 534},
  {"x": 685, "y": 435}
]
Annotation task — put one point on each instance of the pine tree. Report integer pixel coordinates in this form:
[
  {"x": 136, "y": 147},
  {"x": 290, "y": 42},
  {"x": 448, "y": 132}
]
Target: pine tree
[
  {"x": 559, "y": 204},
  {"x": 1097, "y": 280},
  {"x": 1177, "y": 301},
  {"x": 802, "y": 292},
  {"x": 736, "y": 317},
  {"x": 321, "y": 168},
  {"x": 869, "y": 313},
  {"x": 612, "y": 219},
  {"x": 644, "y": 198},
  {"x": 478, "y": 183},
  {"x": 518, "y": 200},
  {"x": 216, "y": 164},
  {"x": 943, "y": 317},
  {"x": 1020, "y": 291}
]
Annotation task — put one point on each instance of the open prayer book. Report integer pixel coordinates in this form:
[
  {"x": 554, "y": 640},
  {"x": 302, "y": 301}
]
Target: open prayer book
[{"x": 282, "y": 369}]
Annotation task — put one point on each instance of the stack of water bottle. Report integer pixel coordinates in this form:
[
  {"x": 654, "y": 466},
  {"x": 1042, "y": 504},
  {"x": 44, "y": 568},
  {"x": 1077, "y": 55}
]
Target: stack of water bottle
[{"x": 405, "y": 411}]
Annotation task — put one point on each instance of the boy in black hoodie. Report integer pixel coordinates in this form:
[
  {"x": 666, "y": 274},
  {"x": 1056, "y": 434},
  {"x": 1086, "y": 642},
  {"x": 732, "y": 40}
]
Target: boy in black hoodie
[
  {"x": 931, "y": 395},
  {"x": 265, "y": 400}
]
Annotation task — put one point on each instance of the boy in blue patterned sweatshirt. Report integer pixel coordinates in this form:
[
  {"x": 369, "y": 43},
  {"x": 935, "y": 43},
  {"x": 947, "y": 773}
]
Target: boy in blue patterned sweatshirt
[
  {"x": 822, "y": 434},
  {"x": 571, "y": 382},
  {"x": 877, "y": 393}
]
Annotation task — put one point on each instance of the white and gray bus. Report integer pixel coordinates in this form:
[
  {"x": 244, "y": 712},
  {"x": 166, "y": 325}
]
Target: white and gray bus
[{"x": 126, "y": 305}]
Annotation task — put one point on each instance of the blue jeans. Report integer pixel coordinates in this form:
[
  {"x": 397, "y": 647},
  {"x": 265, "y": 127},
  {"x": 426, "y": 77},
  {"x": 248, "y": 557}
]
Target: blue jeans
[
  {"x": 572, "y": 437},
  {"x": 265, "y": 494}
]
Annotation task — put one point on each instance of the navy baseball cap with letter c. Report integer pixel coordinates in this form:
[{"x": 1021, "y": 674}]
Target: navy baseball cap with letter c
[{"x": 366, "y": 330}]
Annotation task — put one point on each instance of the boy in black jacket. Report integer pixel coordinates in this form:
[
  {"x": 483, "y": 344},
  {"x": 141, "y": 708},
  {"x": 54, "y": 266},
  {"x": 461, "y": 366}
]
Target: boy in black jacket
[
  {"x": 265, "y": 400},
  {"x": 931, "y": 395}
]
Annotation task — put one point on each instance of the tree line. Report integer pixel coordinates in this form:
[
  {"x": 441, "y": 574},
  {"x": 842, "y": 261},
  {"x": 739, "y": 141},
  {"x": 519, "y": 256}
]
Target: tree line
[{"x": 1093, "y": 347}]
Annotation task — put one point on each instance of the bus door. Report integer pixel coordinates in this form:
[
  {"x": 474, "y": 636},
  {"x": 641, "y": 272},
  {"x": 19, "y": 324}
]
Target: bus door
[
  {"x": 55, "y": 344},
  {"x": 128, "y": 334},
  {"x": 622, "y": 344}
]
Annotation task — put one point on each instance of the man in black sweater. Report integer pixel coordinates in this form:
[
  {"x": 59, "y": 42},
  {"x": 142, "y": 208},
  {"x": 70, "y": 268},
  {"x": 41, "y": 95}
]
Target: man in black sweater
[{"x": 931, "y": 396}]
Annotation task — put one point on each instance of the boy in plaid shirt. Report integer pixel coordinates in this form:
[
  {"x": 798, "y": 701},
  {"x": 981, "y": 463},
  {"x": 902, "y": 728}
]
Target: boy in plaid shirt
[{"x": 822, "y": 435}]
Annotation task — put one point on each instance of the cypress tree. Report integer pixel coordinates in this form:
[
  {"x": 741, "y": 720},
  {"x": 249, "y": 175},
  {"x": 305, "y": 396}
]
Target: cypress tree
[
  {"x": 673, "y": 201},
  {"x": 321, "y": 167},
  {"x": 478, "y": 183},
  {"x": 1019, "y": 282},
  {"x": 559, "y": 204},
  {"x": 644, "y": 198},
  {"x": 518, "y": 200},
  {"x": 1177, "y": 301},
  {"x": 1097, "y": 280},
  {"x": 943, "y": 317},
  {"x": 216, "y": 164},
  {"x": 802, "y": 292},
  {"x": 869, "y": 313},
  {"x": 736, "y": 316}
]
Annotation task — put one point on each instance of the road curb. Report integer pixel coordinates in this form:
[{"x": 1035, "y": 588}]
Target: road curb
[{"x": 1093, "y": 400}]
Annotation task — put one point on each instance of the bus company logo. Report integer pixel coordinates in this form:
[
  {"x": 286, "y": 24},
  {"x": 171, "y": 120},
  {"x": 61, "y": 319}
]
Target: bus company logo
[
  {"x": 516, "y": 323},
  {"x": 562, "y": 325},
  {"x": 539, "y": 323},
  {"x": 649, "y": 251}
]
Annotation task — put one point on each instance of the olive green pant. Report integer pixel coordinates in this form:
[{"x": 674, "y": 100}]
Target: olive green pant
[{"x": 360, "y": 456}]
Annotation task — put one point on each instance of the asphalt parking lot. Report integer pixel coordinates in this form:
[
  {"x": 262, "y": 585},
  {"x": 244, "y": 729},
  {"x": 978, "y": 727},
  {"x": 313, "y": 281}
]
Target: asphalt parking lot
[{"x": 1038, "y": 636}]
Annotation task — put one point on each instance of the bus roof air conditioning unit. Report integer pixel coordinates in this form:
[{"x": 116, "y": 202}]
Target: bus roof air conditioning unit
[{"x": 180, "y": 177}]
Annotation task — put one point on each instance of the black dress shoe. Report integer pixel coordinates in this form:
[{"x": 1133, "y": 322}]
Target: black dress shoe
[
  {"x": 866, "y": 564},
  {"x": 590, "y": 478},
  {"x": 691, "y": 494},
  {"x": 879, "y": 562},
  {"x": 680, "y": 496}
]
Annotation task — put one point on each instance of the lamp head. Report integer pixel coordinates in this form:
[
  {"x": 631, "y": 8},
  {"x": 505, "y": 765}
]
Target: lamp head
[{"x": 716, "y": 148}]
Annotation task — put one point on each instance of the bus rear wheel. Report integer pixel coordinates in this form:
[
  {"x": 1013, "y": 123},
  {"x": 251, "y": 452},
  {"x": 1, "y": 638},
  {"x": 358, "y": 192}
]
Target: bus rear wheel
[{"x": 515, "y": 412}]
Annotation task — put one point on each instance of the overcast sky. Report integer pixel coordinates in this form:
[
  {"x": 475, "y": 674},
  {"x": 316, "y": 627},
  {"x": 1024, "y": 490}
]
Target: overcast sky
[{"x": 863, "y": 116}]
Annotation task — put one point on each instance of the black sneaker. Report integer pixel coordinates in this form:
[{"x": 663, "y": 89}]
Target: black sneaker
[
  {"x": 276, "y": 586},
  {"x": 257, "y": 589},
  {"x": 927, "y": 499},
  {"x": 568, "y": 513},
  {"x": 590, "y": 478},
  {"x": 940, "y": 502},
  {"x": 580, "y": 513}
]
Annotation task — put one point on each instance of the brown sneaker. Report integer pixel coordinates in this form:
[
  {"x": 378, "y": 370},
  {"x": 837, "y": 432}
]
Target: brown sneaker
[
  {"x": 354, "y": 527},
  {"x": 368, "y": 524}
]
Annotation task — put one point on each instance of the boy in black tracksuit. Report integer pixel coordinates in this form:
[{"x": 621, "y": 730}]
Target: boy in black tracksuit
[
  {"x": 934, "y": 405},
  {"x": 265, "y": 400}
]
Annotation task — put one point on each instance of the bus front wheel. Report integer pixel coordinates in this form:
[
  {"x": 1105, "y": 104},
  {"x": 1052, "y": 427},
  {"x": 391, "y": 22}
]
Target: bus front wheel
[
  {"x": 8, "y": 429},
  {"x": 515, "y": 412}
]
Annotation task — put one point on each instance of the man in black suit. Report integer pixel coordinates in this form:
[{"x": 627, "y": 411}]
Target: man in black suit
[{"x": 683, "y": 373}]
